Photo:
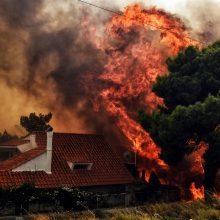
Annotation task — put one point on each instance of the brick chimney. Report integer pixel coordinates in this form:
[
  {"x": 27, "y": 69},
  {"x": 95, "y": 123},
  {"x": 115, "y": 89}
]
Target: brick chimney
[{"x": 49, "y": 151}]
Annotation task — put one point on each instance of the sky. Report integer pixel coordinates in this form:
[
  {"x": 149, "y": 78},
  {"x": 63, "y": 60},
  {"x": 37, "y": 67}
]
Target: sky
[
  {"x": 173, "y": 6},
  {"x": 194, "y": 13},
  {"x": 168, "y": 5},
  {"x": 178, "y": 6}
]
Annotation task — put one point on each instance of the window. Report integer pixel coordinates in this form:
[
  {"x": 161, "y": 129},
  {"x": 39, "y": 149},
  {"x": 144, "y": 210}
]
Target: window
[
  {"x": 80, "y": 166},
  {"x": 7, "y": 153}
]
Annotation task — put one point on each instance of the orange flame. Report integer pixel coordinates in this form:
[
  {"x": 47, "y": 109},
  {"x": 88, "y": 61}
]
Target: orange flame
[
  {"x": 197, "y": 193},
  {"x": 138, "y": 43}
]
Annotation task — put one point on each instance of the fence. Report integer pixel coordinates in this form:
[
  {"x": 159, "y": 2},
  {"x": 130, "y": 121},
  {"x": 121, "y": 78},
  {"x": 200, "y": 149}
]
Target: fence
[
  {"x": 95, "y": 202},
  {"x": 37, "y": 206},
  {"x": 112, "y": 200},
  {"x": 157, "y": 196}
]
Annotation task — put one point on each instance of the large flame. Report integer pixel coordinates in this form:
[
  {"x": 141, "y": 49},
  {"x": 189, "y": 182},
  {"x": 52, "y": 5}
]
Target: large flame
[{"x": 138, "y": 43}]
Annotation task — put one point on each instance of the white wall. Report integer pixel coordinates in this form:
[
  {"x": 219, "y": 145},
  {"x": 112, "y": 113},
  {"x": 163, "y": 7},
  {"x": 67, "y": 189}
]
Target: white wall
[
  {"x": 40, "y": 163},
  {"x": 37, "y": 164}
]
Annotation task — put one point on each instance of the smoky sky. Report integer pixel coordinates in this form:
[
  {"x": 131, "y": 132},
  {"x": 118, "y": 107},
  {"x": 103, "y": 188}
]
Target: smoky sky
[
  {"x": 19, "y": 14},
  {"x": 42, "y": 50},
  {"x": 75, "y": 60},
  {"x": 75, "y": 54},
  {"x": 47, "y": 54}
]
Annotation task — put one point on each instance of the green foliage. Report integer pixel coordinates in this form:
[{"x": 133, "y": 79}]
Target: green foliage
[
  {"x": 196, "y": 210},
  {"x": 68, "y": 198},
  {"x": 74, "y": 198},
  {"x": 182, "y": 211},
  {"x": 23, "y": 194},
  {"x": 193, "y": 74},
  {"x": 35, "y": 122},
  {"x": 130, "y": 215},
  {"x": 144, "y": 119},
  {"x": 197, "y": 122},
  {"x": 191, "y": 95},
  {"x": 192, "y": 108},
  {"x": 173, "y": 211},
  {"x": 5, "y": 136}
]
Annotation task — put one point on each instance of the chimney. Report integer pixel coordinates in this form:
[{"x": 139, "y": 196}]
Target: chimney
[
  {"x": 33, "y": 141},
  {"x": 49, "y": 151}
]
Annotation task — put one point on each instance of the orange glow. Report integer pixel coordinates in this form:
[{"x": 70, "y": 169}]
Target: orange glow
[
  {"x": 197, "y": 157},
  {"x": 137, "y": 53},
  {"x": 197, "y": 193},
  {"x": 217, "y": 195}
]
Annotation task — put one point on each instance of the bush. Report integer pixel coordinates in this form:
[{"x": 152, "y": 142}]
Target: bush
[
  {"x": 75, "y": 198},
  {"x": 208, "y": 214}
]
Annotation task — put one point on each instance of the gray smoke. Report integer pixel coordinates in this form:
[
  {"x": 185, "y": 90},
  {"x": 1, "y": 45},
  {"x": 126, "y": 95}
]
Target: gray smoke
[
  {"x": 205, "y": 20},
  {"x": 47, "y": 54},
  {"x": 44, "y": 57}
]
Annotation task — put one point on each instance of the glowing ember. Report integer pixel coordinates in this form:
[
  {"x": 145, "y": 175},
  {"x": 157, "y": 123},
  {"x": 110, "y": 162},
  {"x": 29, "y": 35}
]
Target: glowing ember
[{"x": 197, "y": 193}]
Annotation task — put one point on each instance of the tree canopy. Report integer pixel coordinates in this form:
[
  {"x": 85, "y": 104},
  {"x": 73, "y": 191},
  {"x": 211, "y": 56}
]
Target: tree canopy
[
  {"x": 35, "y": 122},
  {"x": 192, "y": 106},
  {"x": 193, "y": 75}
]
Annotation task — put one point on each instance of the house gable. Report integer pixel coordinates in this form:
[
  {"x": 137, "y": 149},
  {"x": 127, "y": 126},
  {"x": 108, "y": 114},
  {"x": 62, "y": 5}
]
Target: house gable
[
  {"x": 107, "y": 167},
  {"x": 36, "y": 164}
]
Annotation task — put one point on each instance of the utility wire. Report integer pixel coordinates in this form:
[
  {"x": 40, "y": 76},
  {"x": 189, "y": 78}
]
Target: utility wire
[
  {"x": 121, "y": 14},
  {"x": 99, "y": 7}
]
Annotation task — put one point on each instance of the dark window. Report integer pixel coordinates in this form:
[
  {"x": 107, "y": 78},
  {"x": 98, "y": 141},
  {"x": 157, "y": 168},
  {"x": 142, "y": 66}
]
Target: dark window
[
  {"x": 82, "y": 166},
  {"x": 7, "y": 153}
]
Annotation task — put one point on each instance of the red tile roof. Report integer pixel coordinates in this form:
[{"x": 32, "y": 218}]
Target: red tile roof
[
  {"x": 14, "y": 142},
  {"x": 107, "y": 169}
]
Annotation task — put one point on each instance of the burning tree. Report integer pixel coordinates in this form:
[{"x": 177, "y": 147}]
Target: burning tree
[{"x": 191, "y": 114}]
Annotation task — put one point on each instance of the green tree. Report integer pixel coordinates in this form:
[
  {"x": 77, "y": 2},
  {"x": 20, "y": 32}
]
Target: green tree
[
  {"x": 192, "y": 109},
  {"x": 35, "y": 122},
  {"x": 5, "y": 136}
]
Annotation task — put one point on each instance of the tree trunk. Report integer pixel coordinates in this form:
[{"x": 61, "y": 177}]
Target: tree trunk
[{"x": 210, "y": 173}]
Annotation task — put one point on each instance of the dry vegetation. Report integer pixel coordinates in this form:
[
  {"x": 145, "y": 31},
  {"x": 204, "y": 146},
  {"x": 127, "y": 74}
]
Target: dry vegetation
[{"x": 176, "y": 211}]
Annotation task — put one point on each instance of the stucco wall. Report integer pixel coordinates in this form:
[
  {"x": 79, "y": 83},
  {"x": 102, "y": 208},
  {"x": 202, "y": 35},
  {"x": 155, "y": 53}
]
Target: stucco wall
[{"x": 37, "y": 164}]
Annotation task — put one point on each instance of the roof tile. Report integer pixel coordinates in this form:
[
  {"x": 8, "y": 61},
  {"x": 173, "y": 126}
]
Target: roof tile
[
  {"x": 107, "y": 169},
  {"x": 14, "y": 142}
]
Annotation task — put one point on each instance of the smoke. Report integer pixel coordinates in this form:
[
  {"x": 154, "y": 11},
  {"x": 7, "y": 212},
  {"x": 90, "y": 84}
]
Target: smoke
[
  {"x": 45, "y": 50},
  {"x": 48, "y": 50},
  {"x": 201, "y": 16},
  {"x": 205, "y": 20}
]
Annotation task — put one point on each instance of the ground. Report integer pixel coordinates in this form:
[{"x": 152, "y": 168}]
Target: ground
[{"x": 198, "y": 210}]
